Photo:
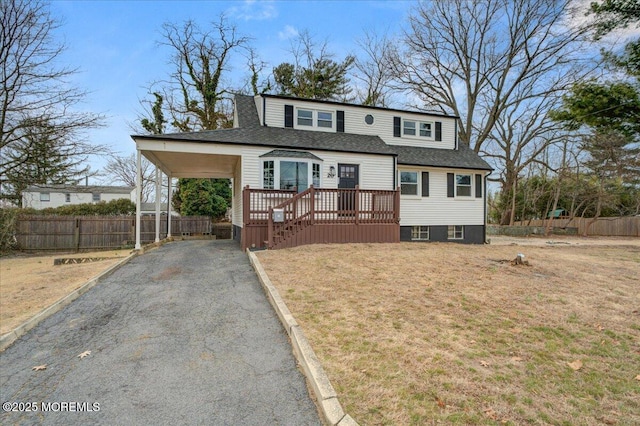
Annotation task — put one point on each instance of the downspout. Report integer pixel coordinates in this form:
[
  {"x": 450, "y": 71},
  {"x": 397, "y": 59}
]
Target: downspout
[
  {"x": 264, "y": 110},
  {"x": 455, "y": 135},
  {"x": 395, "y": 172}
]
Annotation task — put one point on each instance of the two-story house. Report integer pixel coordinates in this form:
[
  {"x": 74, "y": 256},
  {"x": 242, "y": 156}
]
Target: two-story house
[{"x": 308, "y": 171}]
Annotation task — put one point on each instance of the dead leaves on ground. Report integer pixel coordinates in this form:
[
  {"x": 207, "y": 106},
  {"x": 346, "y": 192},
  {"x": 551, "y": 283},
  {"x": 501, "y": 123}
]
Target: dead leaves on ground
[
  {"x": 44, "y": 366},
  {"x": 575, "y": 365}
]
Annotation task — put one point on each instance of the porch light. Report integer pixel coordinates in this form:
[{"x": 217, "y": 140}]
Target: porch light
[{"x": 332, "y": 172}]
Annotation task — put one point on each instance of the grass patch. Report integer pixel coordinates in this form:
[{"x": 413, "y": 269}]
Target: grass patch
[{"x": 442, "y": 333}]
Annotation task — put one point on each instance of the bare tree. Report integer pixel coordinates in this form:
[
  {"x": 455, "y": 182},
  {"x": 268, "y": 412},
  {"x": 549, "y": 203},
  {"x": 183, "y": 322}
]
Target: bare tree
[
  {"x": 499, "y": 65},
  {"x": 36, "y": 100},
  {"x": 196, "y": 95},
  {"x": 122, "y": 170},
  {"x": 373, "y": 70}
]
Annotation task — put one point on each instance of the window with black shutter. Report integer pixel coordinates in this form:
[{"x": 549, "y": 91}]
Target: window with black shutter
[
  {"x": 396, "y": 127},
  {"x": 450, "y": 185},
  {"x": 340, "y": 121},
  {"x": 288, "y": 116},
  {"x": 425, "y": 184},
  {"x": 438, "y": 131},
  {"x": 478, "y": 186}
]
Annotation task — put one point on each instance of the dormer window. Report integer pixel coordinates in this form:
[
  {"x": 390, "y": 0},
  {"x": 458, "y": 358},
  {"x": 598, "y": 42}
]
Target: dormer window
[
  {"x": 417, "y": 128},
  {"x": 325, "y": 119},
  {"x": 305, "y": 117},
  {"x": 314, "y": 118}
]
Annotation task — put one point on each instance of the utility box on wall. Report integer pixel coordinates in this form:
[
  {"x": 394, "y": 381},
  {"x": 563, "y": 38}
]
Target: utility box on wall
[{"x": 278, "y": 215}]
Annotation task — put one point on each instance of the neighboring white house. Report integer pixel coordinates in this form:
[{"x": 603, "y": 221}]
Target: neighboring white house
[
  {"x": 44, "y": 196},
  {"x": 280, "y": 142}
]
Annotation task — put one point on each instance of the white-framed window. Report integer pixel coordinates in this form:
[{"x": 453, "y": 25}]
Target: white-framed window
[
  {"x": 268, "y": 174},
  {"x": 420, "y": 233},
  {"x": 325, "y": 119},
  {"x": 463, "y": 185},
  {"x": 95, "y": 197},
  {"x": 290, "y": 173},
  {"x": 294, "y": 174},
  {"x": 45, "y": 197},
  {"x": 455, "y": 232},
  {"x": 305, "y": 117},
  {"x": 67, "y": 198},
  {"x": 409, "y": 128},
  {"x": 422, "y": 129},
  {"x": 408, "y": 183},
  {"x": 315, "y": 175},
  {"x": 314, "y": 118},
  {"x": 425, "y": 129}
]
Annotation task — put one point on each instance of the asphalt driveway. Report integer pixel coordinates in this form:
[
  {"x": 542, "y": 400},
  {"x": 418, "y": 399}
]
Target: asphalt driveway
[{"x": 183, "y": 334}]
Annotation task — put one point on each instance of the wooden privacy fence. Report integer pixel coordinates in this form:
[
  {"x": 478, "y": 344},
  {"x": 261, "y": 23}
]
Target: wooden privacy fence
[
  {"x": 628, "y": 226},
  {"x": 82, "y": 233}
]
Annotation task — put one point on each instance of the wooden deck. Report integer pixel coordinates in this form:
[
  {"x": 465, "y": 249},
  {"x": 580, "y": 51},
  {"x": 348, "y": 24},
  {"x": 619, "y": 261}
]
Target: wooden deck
[{"x": 319, "y": 215}]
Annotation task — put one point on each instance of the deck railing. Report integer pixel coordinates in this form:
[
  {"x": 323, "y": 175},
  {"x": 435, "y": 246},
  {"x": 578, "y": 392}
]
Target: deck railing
[{"x": 319, "y": 215}]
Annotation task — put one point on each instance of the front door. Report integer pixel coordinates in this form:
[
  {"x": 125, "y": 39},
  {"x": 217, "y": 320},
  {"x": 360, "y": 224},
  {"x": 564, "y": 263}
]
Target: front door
[{"x": 348, "y": 176}]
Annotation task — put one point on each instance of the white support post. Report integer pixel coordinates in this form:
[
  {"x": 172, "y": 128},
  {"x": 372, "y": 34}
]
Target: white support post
[
  {"x": 169, "y": 193},
  {"x": 158, "y": 196},
  {"x": 138, "y": 197}
]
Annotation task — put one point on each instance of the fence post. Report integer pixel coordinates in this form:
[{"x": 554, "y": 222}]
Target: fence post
[
  {"x": 76, "y": 235},
  {"x": 270, "y": 228},
  {"x": 396, "y": 206},
  {"x": 312, "y": 204},
  {"x": 356, "y": 206}
]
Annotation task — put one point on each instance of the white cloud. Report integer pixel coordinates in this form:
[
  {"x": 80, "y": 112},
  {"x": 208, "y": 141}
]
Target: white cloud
[
  {"x": 288, "y": 33},
  {"x": 253, "y": 10}
]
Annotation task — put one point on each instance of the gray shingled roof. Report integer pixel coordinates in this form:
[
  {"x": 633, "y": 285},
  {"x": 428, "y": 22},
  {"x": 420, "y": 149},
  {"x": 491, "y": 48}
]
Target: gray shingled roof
[
  {"x": 290, "y": 154},
  {"x": 463, "y": 158},
  {"x": 250, "y": 132}
]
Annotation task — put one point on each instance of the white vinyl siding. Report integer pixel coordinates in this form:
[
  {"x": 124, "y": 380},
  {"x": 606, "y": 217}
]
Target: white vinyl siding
[
  {"x": 376, "y": 171},
  {"x": 437, "y": 208},
  {"x": 57, "y": 199},
  {"x": 354, "y": 121}
]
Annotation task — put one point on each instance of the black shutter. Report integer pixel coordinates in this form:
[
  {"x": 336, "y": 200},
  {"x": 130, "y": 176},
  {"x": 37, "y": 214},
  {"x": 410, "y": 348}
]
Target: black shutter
[
  {"x": 396, "y": 127},
  {"x": 425, "y": 184},
  {"x": 478, "y": 186},
  {"x": 288, "y": 116},
  {"x": 438, "y": 131},
  {"x": 340, "y": 121},
  {"x": 450, "y": 187}
]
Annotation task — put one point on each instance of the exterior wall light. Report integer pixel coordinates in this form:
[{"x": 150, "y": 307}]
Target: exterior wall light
[{"x": 332, "y": 172}]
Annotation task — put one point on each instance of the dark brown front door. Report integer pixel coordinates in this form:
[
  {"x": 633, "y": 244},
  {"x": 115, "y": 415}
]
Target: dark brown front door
[{"x": 348, "y": 178}]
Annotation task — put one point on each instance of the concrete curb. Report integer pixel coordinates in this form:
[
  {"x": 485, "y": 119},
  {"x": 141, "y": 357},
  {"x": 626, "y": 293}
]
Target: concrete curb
[
  {"x": 325, "y": 395},
  {"x": 7, "y": 339}
]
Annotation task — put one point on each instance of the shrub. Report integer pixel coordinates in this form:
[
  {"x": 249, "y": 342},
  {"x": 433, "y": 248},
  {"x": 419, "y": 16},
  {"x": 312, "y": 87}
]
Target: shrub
[{"x": 8, "y": 228}]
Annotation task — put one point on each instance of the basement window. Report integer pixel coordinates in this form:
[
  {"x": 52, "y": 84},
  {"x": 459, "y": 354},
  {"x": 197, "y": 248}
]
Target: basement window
[
  {"x": 455, "y": 232},
  {"x": 420, "y": 233}
]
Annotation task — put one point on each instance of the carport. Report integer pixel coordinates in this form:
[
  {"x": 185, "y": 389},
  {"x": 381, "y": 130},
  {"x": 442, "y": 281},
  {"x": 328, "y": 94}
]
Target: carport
[{"x": 181, "y": 159}]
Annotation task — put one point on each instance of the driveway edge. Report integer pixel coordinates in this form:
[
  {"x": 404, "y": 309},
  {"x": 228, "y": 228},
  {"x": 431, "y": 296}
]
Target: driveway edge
[
  {"x": 7, "y": 339},
  {"x": 326, "y": 397}
]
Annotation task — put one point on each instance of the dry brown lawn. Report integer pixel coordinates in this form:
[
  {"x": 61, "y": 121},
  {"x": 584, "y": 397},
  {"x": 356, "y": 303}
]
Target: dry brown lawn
[
  {"x": 30, "y": 283},
  {"x": 454, "y": 334}
]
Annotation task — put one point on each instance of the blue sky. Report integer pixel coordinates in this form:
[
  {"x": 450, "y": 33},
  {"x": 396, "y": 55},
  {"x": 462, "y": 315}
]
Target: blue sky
[{"x": 114, "y": 44}]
